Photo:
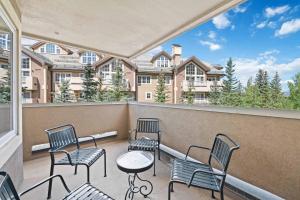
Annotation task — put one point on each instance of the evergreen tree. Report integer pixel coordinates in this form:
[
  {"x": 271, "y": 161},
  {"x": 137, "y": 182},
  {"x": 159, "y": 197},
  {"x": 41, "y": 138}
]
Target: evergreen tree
[
  {"x": 294, "y": 87},
  {"x": 189, "y": 96},
  {"x": 64, "y": 94},
  {"x": 276, "y": 93},
  {"x": 215, "y": 94},
  {"x": 262, "y": 83},
  {"x": 229, "y": 94},
  {"x": 251, "y": 98},
  {"x": 5, "y": 87},
  {"x": 100, "y": 91},
  {"x": 89, "y": 84},
  {"x": 118, "y": 90},
  {"x": 161, "y": 93}
]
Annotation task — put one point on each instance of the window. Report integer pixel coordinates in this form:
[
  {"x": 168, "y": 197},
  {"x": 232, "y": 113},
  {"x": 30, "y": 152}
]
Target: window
[
  {"x": 108, "y": 71},
  {"x": 168, "y": 80},
  {"x": 50, "y": 48},
  {"x": 200, "y": 96},
  {"x": 162, "y": 61},
  {"x": 88, "y": 57},
  {"x": 213, "y": 79},
  {"x": 5, "y": 41},
  {"x": 60, "y": 77},
  {"x": 26, "y": 95},
  {"x": 193, "y": 73},
  {"x": 8, "y": 85},
  {"x": 148, "y": 95},
  {"x": 144, "y": 79},
  {"x": 25, "y": 66}
]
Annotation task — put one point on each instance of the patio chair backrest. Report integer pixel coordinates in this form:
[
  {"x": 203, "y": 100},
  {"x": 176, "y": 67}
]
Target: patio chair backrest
[
  {"x": 222, "y": 150},
  {"x": 61, "y": 137},
  {"x": 7, "y": 188},
  {"x": 147, "y": 125}
]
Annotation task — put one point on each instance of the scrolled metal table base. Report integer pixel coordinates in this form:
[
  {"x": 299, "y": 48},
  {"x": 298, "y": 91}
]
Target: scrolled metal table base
[{"x": 133, "y": 189}]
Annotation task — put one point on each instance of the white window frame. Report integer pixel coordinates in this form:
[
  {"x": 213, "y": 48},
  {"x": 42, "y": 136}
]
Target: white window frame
[
  {"x": 139, "y": 78},
  {"x": 162, "y": 62},
  {"x": 196, "y": 76},
  {"x": 60, "y": 76},
  {"x": 6, "y": 41},
  {"x": 16, "y": 92},
  {"x": 146, "y": 97},
  {"x": 92, "y": 55},
  {"x": 107, "y": 76},
  {"x": 43, "y": 49},
  {"x": 26, "y": 69}
]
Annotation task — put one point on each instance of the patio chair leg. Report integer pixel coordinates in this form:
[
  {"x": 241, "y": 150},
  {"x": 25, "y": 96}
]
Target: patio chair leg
[
  {"x": 158, "y": 153},
  {"x": 75, "y": 172},
  {"x": 88, "y": 174},
  {"x": 104, "y": 163},
  {"x": 154, "y": 164},
  {"x": 50, "y": 182},
  {"x": 222, "y": 195},
  {"x": 213, "y": 194},
  {"x": 170, "y": 188}
]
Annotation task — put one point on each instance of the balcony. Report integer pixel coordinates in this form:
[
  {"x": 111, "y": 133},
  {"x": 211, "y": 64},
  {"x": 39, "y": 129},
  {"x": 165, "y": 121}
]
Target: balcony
[
  {"x": 259, "y": 133},
  {"x": 199, "y": 86},
  {"x": 30, "y": 83}
]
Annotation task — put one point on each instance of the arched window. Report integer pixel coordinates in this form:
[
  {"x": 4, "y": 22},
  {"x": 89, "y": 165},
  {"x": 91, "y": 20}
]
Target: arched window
[
  {"x": 193, "y": 73},
  {"x": 50, "y": 48},
  {"x": 162, "y": 61},
  {"x": 88, "y": 57}
]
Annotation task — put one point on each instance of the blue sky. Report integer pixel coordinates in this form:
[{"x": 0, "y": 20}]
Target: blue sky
[{"x": 256, "y": 34}]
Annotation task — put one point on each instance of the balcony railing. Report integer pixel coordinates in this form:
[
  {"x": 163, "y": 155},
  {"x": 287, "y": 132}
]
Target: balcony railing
[
  {"x": 266, "y": 158},
  {"x": 199, "y": 86}
]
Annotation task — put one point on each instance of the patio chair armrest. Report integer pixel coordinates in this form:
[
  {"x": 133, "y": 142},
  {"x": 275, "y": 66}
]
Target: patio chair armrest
[
  {"x": 62, "y": 151},
  {"x": 90, "y": 136},
  {"x": 194, "y": 146},
  {"x": 44, "y": 181},
  {"x": 204, "y": 172}
]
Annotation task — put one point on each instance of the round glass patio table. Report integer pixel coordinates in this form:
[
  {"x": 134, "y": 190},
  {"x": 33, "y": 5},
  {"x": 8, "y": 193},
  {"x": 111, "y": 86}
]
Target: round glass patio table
[{"x": 132, "y": 163}]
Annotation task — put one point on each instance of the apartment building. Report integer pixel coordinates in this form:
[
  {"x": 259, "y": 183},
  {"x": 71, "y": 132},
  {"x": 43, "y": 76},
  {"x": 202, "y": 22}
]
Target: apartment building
[
  {"x": 45, "y": 66},
  {"x": 179, "y": 74}
]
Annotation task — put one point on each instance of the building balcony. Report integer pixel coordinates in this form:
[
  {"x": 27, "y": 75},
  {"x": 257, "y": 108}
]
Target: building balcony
[
  {"x": 30, "y": 82},
  {"x": 199, "y": 86},
  {"x": 258, "y": 132}
]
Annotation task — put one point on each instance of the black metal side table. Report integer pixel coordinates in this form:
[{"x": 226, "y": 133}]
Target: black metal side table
[{"x": 132, "y": 163}]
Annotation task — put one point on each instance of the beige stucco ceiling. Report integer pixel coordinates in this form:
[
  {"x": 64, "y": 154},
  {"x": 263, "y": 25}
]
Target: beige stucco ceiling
[{"x": 124, "y": 28}]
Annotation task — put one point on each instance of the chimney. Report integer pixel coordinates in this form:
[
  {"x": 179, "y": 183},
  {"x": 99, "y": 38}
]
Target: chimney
[{"x": 176, "y": 54}]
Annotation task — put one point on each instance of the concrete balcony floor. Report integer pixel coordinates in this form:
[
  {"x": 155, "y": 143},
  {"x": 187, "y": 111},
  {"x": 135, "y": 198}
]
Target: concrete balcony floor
[{"x": 115, "y": 184}]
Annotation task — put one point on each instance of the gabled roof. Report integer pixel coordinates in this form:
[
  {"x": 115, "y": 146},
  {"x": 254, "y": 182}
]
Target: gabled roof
[
  {"x": 38, "y": 57},
  {"x": 101, "y": 62},
  {"x": 38, "y": 44},
  {"x": 162, "y": 53},
  {"x": 195, "y": 60}
]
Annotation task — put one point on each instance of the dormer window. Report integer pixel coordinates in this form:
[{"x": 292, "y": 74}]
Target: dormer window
[
  {"x": 50, "y": 48},
  {"x": 88, "y": 57},
  {"x": 193, "y": 73},
  {"x": 5, "y": 41},
  {"x": 162, "y": 61}
]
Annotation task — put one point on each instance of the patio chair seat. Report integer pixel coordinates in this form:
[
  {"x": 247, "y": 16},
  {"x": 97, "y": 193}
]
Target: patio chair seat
[
  {"x": 182, "y": 171},
  {"x": 143, "y": 144},
  {"x": 82, "y": 156},
  {"x": 87, "y": 192}
]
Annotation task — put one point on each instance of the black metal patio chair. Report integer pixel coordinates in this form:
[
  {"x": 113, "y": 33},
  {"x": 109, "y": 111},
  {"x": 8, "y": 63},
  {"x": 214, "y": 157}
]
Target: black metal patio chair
[
  {"x": 64, "y": 136},
  {"x": 146, "y": 126},
  {"x": 84, "y": 192},
  {"x": 202, "y": 175}
]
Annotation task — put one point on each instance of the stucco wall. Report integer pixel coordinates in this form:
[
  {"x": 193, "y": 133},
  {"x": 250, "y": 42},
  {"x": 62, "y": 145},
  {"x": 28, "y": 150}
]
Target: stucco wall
[
  {"x": 87, "y": 118},
  {"x": 269, "y": 153}
]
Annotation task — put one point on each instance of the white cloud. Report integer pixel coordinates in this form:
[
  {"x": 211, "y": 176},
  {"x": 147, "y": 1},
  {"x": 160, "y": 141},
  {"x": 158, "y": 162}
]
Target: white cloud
[
  {"x": 288, "y": 27},
  {"x": 211, "y": 45},
  {"x": 261, "y": 25},
  {"x": 155, "y": 50},
  {"x": 221, "y": 21},
  {"x": 247, "y": 67},
  {"x": 271, "y": 12},
  {"x": 212, "y": 35},
  {"x": 240, "y": 9}
]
